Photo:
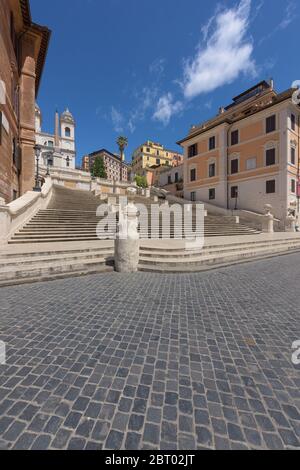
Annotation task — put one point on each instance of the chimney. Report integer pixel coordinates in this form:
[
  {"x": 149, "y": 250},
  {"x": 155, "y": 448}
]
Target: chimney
[
  {"x": 56, "y": 129},
  {"x": 271, "y": 82},
  {"x": 221, "y": 110}
]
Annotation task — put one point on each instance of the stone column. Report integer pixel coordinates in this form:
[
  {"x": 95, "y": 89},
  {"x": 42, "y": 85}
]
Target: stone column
[
  {"x": 127, "y": 243},
  {"x": 27, "y": 114}
]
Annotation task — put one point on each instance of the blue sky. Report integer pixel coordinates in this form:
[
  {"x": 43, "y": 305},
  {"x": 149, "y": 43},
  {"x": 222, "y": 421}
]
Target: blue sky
[{"x": 151, "y": 69}]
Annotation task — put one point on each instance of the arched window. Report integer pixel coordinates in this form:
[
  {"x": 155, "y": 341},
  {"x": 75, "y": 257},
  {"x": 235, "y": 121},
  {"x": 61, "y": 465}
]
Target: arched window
[{"x": 67, "y": 132}]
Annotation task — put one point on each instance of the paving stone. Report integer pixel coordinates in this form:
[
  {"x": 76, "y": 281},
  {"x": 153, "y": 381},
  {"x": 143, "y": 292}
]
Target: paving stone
[
  {"x": 86, "y": 375},
  {"x": 132, "y": 441},
  {"x": 114, "y": 440}
]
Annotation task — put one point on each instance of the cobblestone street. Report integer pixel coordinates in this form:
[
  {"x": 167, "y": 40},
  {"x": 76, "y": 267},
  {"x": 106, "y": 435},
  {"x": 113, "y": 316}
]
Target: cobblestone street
[{"x": 150, "y": 361}]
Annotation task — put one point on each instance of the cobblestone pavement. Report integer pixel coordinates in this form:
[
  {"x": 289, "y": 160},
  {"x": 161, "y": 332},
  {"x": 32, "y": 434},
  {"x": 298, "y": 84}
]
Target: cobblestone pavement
[{"x": 149, "y": 361}]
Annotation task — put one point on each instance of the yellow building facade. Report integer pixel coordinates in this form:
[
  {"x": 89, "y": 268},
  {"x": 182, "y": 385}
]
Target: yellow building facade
[
  {"x": 151, "y": 154},
  {"x": 248, "y": 155}
]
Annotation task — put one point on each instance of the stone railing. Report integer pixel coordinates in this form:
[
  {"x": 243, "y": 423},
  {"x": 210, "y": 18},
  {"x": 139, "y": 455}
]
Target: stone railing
[
  {"x": 82, "y": 180},
  {"x": 265, "y": 222},
  {"x": 16, "y": 214}
]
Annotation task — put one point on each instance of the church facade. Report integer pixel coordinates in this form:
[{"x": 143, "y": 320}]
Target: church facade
[{"x": 58, "y": 150}]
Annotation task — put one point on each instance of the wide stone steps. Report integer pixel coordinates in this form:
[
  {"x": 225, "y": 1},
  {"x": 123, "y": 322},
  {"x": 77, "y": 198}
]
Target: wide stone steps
[
  {"x": 188, "y": 261},
  {"x": 31, "y": 266}
]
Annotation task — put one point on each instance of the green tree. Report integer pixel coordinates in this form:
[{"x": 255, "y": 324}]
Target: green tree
[
  {"x": 141, "y": 181},
  {"x": 122, "y": 144},
  {"x": 98, "y": 170}
]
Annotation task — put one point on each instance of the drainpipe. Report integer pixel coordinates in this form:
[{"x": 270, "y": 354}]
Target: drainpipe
[{"x": 227, "y": 158}]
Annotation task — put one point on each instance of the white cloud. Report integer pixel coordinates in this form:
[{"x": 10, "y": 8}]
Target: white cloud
[
  {"x": 289, "y": 16},
  {"x": 157, "y": 67},
  {"x": 166, "y": 107},
  {"x": 146, "y": 100},
  {"x": 226, "y": 55},
  {"x": 117, "y": 120}
]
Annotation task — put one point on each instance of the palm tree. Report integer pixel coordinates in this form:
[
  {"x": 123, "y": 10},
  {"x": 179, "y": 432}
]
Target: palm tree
[{"x": 122, "y": 143}]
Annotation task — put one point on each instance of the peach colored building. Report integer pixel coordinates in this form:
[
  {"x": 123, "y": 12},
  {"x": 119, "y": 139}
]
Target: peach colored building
[
  {"x": 248, "y": 155},
  {"x": 23, "y": 48}
]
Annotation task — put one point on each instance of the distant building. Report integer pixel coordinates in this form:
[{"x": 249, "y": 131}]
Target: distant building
[
  {"x": 116, "y": 170},
  {"x": 171, "y": 179},
  {"x": 151, "y": 154},
  {"x": 23, "y": 50},
  {"x": 248, "y": 155},
  {"x": 58, "y": 149}
]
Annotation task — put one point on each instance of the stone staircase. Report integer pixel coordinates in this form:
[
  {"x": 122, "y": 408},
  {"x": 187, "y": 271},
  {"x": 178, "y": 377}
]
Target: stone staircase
[
  {"x": 71, "y": 216},
  {"x": 31, "y": 263},
  {"x": 225, "y": 251}
]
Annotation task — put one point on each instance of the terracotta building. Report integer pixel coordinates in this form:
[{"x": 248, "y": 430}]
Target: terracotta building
[
  {"x": 116, "y": 170},
  {"x": 248, "y": 155},
  {"x": 23, "y": 48}
]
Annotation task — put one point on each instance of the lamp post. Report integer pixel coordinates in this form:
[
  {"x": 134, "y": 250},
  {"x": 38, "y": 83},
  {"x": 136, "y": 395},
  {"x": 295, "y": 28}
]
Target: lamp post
[
  {"x": 49, "y": 158},
  {"x": 37, "y": 150}
]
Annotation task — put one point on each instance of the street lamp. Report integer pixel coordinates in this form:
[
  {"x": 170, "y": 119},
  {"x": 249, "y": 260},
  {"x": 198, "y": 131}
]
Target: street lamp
[
  {"x": 37, "y": 150},
  {"x": 49, "y": 158}
]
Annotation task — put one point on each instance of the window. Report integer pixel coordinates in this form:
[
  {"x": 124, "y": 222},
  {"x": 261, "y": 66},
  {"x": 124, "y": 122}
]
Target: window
[
  {"x": 193, "y": 174},
  {"x": 169, "y": 180},
  {"x": 67, "y": 132},
  {"x": 212, "y": 170},
  {"x": 235, "y": 137},
  {"x": 271, "y": 124},
  {"x": 176, "y": 177},
  {"x": 167, "y": 163},
  {"x": 50, "y": 143},
  {"x": 270, "y": 157},
  {"x": 270, "y": 187},
  {"x": 234, "y": 166},
  {"x": 148, "y": 150},
  {"x": 293, "y": 186},
  {"x": 158, "y": 152},
  {"x": 212, "y": 143},
  {"x": 157, "y": 161},
  {"x": 193, "y": 196},
  {"x": 50, "y": 161},
  {"x": 142, "y": 149},
  {"x": 212, "y": 194},
  {"x": 293, "y": 155},
  {"x": 192, "y": 151},
  {"x": 234, "y": 192},
  {"x": 293, "y": 122},
  {"x": 251, "y": 164}
]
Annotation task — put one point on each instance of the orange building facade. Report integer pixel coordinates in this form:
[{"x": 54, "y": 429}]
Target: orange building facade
[
  {"x": 23, "y": 48},
  {"x": 248, "y": 155}
]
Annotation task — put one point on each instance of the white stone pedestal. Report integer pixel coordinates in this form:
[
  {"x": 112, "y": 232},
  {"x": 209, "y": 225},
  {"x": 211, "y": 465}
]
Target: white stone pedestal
[{"x": 127, "y": 243}]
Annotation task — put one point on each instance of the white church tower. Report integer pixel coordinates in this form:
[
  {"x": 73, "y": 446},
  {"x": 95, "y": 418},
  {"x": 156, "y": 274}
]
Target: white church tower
[{"x": 58, "y": 149}]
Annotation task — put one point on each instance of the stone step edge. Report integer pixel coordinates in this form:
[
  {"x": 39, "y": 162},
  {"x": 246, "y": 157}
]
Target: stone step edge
[
  {"x": 55, "y": 276},
  {"x": 203, "y": 268},
  {"x": 212, "y": 259},
  {"x": 51, "y": 266},
  {"x": 207, "y": 250}
]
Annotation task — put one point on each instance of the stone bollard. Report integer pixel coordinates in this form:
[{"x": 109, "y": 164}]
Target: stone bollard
[
  {"x": 127, "y": 243},
  {"x": 268, "y": 220},
  {"x": 155, "y": 198},
  {"x": 147, "y": 193}
]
